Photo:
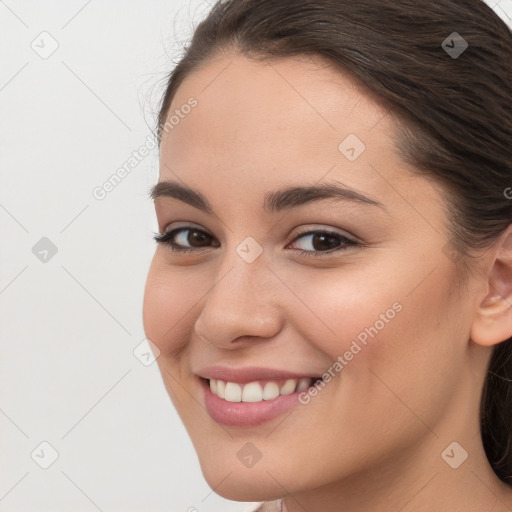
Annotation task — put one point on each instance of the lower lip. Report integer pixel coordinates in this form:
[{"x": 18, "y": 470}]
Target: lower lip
[{"x": 246, "y": 414}]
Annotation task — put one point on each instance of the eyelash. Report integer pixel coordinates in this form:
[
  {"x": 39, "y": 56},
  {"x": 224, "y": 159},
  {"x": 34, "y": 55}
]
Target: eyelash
[{"x": 166, "y": 239}]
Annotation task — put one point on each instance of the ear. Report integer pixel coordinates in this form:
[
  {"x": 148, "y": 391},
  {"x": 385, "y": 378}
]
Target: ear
[{"x": 493, "y": 320}]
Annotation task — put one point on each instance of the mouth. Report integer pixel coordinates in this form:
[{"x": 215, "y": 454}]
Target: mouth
[
  {"x": 258, "y": 390},
  {"x": 251, "y": 403}
]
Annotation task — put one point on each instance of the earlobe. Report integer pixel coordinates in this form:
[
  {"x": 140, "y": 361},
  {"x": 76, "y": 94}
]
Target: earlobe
[{"x": 493, "y": 319}]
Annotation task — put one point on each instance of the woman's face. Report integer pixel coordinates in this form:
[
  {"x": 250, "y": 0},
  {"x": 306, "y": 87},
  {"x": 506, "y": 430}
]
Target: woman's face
[{"x": 379, "y": 313}]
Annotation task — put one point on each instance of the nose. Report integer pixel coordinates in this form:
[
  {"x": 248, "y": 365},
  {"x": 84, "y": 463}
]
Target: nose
[{"x": 241, "y": 304}]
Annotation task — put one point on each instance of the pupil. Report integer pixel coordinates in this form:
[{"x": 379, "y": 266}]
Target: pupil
[
  {"x": 323, "y": 237},
  {"x": 198, "y": 237}
]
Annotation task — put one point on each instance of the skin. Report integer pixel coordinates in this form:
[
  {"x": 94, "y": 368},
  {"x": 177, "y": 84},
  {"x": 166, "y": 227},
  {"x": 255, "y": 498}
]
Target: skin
[{"x": 372, "y": 438}]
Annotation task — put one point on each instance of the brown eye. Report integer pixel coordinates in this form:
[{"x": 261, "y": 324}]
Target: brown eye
[
  {"x": 322, "y": 241},
  {"x": 185, "y": 239},
  {"x": 196, "y": 238}
]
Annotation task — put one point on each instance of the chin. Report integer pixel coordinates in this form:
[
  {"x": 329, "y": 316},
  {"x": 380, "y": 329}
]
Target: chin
[{"x": 242, "y": 485}]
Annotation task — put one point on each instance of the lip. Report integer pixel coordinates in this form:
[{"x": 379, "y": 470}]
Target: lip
[
  {"x": 243, "y": 375},
  {"x": 246, "y": 414}
]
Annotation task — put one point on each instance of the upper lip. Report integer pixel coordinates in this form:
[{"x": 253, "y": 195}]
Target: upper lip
[{"x": 244, "y": 374}]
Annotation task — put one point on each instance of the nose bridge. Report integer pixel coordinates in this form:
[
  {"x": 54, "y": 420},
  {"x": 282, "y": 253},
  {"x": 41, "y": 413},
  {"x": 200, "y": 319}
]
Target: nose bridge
[{"x": 239, "y": 302}]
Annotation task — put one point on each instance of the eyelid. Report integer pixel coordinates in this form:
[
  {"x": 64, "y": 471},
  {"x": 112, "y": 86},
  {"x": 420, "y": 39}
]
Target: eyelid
[
  {"x": 348, "y": 242},
  {"x": 186, "y": 224},
  {"x": 307, "y": 230},
  {"x": 330, "y": 230}
]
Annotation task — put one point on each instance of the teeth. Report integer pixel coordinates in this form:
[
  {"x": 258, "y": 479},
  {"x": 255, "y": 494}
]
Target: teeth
[
  {"x": 303, "y": 384},
  {"x": 233, "y": 392},
  {"x": 288, "y": 387},
  {"x": 270, "y": 391},
  {"x": 221, "y": 387},
  {"x": 253, "y": 392}
]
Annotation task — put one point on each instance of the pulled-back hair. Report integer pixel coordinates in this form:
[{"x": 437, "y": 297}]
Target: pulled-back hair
[{"x": 454, "y": 111}]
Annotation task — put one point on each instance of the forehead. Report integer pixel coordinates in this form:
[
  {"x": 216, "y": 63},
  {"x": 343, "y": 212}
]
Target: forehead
[
  {"x": 266, "y": 124},
  {"x": 292, "y": 98}
]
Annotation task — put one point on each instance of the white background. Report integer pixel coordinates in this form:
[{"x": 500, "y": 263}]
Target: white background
[{"x": 69, "y": 326}]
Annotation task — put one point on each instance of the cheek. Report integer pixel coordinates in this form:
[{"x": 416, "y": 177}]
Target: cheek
[
  {"x": 342, "y": 311},
  {"x": 390, "y": 343},
  {"x": 168, "y": 302},
  {"x": 168, "y": 307}
]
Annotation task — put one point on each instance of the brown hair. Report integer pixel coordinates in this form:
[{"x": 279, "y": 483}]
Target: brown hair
[{"x": 455, "y": 111}]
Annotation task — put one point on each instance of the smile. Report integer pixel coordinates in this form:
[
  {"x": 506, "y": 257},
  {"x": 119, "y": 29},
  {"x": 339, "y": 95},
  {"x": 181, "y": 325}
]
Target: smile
[
  {"x": 235, "y": 404},
  {"x": 257, "y": 391}
]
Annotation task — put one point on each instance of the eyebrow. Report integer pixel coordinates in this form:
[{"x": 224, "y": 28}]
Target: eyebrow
[{"x": 279, "y": 200}]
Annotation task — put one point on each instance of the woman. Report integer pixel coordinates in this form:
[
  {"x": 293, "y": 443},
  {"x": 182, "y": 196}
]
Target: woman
[{"x": 331, "y": 289}]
